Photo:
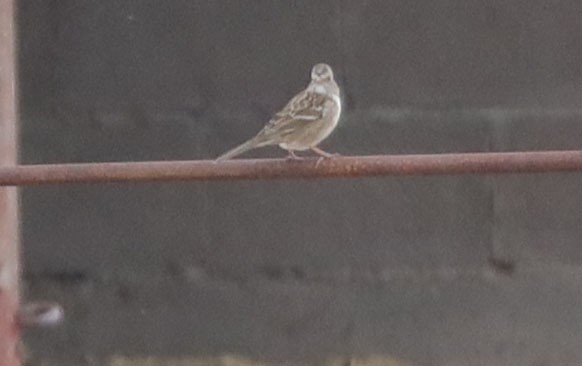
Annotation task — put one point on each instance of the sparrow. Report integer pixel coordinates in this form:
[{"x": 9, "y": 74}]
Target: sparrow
[{"x": 304, "y": 122}]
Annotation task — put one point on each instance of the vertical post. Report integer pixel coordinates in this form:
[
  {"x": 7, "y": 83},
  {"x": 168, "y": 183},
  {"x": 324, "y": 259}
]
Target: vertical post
[{"x": 9, "y": 253}]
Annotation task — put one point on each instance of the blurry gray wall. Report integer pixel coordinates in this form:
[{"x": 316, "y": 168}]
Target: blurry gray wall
[{"x": 459, "y": 270}]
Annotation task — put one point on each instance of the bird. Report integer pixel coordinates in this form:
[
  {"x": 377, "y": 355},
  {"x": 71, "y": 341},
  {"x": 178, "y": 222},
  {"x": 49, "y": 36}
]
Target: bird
[{"x": 307, "y": 119}]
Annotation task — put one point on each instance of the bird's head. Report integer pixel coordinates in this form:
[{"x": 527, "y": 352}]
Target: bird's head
[{"x": 321, "y": 73}]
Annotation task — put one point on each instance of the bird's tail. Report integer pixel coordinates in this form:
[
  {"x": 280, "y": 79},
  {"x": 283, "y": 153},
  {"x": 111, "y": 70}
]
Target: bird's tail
[{"x": 251, "y": 144}]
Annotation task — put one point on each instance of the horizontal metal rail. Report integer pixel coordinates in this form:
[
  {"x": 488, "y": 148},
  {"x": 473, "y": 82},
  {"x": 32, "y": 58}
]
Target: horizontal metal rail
[{"x": 349, "y": 166}]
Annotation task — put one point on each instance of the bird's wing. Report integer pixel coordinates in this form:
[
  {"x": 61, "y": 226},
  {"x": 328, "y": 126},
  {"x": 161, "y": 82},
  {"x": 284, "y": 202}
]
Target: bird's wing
[{"x": 304, "y": 108}]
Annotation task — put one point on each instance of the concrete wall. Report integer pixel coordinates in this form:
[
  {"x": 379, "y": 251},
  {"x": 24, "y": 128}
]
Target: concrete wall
[{"x": 459, "y": 270}]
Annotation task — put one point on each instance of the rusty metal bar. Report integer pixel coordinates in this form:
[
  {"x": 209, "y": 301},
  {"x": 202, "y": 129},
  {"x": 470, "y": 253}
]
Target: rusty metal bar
[
  {"x": 9, "y": 258},
  {"x": 361, "y": 166}
]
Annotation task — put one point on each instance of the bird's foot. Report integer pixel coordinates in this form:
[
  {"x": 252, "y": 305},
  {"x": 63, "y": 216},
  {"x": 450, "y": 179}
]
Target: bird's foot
[
  {"x": 323, "y": 155},
  {"x": 292, "y": 156},
  {"x": 322, "y": 158}
]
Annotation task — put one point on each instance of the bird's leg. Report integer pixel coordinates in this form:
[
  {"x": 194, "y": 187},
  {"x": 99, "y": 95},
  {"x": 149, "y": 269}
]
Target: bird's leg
[
  {"x": 323, "y": 154},
  {"x": 292, "y": 156}
]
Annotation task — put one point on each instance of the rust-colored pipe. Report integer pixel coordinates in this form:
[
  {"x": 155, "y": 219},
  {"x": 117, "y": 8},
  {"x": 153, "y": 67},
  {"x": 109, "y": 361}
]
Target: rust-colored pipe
[
  {"x": 9, "y": 267},
  {"x": 360, "y": 166}
]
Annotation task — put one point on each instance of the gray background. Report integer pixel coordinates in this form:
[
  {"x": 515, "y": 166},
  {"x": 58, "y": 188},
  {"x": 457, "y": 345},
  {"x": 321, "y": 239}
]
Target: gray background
[{"x": 460, "y": 270}]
